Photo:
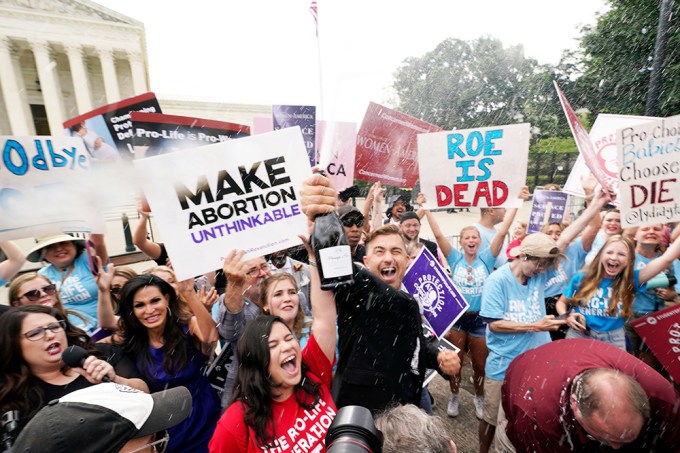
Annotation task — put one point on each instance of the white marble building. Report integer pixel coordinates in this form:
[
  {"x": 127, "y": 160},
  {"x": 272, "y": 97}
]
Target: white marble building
[{"x": 62, "y": 58}]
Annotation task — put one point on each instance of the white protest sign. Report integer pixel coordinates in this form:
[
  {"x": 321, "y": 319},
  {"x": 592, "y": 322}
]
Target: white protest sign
[
  {"x": 649, "y": 172},
  {"x": 603, "y": 136},
  {"x": 240, "y": 194},
  {"x": 483, "y": 167},
  {"x": 45, "y": 187}
]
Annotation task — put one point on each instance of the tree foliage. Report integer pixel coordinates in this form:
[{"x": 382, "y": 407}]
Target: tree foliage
[{"x": 616, "y": 59}]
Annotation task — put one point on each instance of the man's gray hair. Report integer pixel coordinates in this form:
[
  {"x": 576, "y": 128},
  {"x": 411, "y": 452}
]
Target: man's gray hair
[{"x": 409, "y": 429}]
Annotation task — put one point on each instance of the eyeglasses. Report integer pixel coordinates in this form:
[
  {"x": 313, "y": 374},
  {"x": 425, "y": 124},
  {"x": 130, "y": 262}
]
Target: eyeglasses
[
  {"x": 541, "y": 263},
  {"x": 157, "y": 446},
  {"x": 264, "y": 267},
  {"x": 349, "y": 223},
  {"x": 115, "y": 290},
  {"x": 36, "y": 294},
  {"x": 39, "y": 332}
]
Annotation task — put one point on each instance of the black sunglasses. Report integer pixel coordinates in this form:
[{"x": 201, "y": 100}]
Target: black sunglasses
[
  {"x": 36, "y": 294},
  {"x": 353, "y": 221}
]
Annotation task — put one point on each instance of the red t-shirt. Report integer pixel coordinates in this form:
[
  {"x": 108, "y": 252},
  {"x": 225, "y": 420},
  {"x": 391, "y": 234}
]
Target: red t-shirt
[{"x": 297, "y": 429}]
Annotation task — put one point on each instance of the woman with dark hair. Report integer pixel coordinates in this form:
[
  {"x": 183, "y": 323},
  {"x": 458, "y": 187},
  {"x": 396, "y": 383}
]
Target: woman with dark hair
[
  {"x": 32, "y": 339},
  {"x": 170, "y": 350},
  {"x": 281, "y": 396}
]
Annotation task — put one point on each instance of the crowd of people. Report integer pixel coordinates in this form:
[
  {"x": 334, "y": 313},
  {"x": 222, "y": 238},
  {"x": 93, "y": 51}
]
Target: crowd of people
[{"x": 555, "y": 363}]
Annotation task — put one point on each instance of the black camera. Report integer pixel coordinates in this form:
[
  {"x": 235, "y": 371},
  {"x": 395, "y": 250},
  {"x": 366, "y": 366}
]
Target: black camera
[{"x": 353, "y": 431}]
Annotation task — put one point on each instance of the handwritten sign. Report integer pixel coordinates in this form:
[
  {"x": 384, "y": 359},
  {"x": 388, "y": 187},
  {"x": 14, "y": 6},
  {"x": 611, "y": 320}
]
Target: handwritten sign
[
  {"x": 661, "y": 332},
  {"x": 45, "y": 187},
  {"x": 483, "y": 167},
  {"x": 387, "y": 147},
  {"x": 236, "y": 194},
  {"x": 649, "y": 172},
  {"x": 429, "y": 284},
  {"x": 548, "y": 206}
]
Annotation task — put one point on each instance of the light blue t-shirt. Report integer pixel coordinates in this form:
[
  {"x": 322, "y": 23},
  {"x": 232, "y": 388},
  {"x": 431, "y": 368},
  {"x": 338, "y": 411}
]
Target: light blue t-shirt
[
  {"x": 566, "y": 269},
  {"x": 595, "y": 309},
  {"x": 676, "y": 272},
  {"x": 77, "y": 291},
  {"x": 645, "y": 301},
  {"x": 505, "y": 298},
  {"x": 469, "y": 279},
  {"x": 487, "y": 235}
]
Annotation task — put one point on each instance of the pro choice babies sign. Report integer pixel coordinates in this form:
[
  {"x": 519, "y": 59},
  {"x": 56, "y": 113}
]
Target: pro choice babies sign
[
  {"x": 483, "y": 167},
  {"x": 238, "y": 194}
]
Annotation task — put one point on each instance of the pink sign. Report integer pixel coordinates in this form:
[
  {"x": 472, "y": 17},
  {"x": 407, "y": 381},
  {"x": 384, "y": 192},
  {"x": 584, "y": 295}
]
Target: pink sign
[
  {"x": 387, "y": 146},
  {"x": 336, "y": 145},
  {"x": 583, "y": 143}
]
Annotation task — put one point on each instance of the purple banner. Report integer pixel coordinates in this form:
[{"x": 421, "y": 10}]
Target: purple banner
[
  {"x": 442, "y": 303},
  {"x": 549, "y": 206},
  {"x": 284, "y": 116}
]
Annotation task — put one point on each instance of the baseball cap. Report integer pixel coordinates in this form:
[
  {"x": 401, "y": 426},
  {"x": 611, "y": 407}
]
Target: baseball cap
[
  {"x": 102, "y": 418},
  {"x": 539, "y": 245},
  {"x": 346, "y": 211},
  {"x": 408, "y": 215}
]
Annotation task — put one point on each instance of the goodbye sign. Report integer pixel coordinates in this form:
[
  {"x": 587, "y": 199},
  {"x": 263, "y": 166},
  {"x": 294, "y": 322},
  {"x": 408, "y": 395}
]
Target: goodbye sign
[
  {"x": 483, "y": 167},
  {"x": 240, "y": 194},
  {"x": 45, "y": 187},
  {"x": 649, "y": 172}
]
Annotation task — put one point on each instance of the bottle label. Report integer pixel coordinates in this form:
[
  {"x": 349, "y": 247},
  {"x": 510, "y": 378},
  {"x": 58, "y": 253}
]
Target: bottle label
[{"x": 336, "y": 261}]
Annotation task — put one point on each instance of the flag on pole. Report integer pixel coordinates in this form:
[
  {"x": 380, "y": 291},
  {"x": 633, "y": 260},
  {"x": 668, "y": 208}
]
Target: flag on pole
[{"x": 315, "y": 14}]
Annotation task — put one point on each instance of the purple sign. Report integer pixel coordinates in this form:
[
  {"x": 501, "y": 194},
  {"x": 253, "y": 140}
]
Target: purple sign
[
  {"x": 284, "y": 116},
  {"x": 549, "y": 206},
  {"x": 427, "y": 281}
]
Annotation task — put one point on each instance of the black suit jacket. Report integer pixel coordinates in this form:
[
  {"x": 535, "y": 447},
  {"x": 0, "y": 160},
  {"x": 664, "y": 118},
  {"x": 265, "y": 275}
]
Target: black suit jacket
[{"x": 379, "y": 332}]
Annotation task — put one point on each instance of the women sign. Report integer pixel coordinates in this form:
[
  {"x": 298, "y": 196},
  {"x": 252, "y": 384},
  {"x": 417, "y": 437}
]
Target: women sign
[
  {"x": 482, "y": 167},
  {"x": 649, "y": 172}
]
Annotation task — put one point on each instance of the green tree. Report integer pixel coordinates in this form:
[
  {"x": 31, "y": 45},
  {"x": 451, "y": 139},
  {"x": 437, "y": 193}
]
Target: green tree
[{"x": 616, "y": 56}]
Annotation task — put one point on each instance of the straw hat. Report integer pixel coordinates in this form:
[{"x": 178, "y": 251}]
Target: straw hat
[{"x": 36, "y": 253}]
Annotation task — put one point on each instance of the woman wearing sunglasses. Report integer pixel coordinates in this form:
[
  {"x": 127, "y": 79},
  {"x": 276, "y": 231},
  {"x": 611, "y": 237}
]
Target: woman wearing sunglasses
[
  {"x": 34, "y": 289},
  {"x": 71, "y": 268},
  {"x": 32, "y": 340}
]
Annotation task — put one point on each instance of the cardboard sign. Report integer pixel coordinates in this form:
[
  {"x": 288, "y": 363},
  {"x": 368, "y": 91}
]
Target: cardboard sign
[
  {"x": 387, "y": 148},
  {"x": 154, "y": 134},
  {"x": 336, "y": 143},
  {"x": 240, "y": 194},
  {"x": 304, "y": 116},
  {"x": 483, "y": 167},
  {"x": 45, "y": 187},
  {"x": 108, "y": 129},
  {"x": 427, "y": 281},
  {"x": 549, "y": 206},
  {"x": 603, "y": 137},
  {"x": 649, "y": 172},
  {"x": 661, "y": 332}
]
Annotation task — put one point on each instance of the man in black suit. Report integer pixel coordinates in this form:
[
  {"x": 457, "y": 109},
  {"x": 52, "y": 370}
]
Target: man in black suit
[{"x": 382, "y": 351}]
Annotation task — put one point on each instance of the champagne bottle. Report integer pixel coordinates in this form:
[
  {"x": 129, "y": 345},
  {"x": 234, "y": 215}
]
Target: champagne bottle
[{"x": 333, "y": 254}]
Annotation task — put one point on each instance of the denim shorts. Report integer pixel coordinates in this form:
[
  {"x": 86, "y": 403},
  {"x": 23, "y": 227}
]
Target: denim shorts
[
  {"x": 471, "y": 323},
  {"x": 615, "y": 337}
]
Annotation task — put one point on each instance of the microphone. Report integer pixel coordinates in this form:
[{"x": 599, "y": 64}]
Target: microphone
[{"x": 74, "y": 356}]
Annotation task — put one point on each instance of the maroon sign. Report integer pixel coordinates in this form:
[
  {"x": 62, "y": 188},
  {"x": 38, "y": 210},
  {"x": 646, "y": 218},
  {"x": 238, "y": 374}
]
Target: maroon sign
[
  {"x": 387, "y": 147},
  {"x": 661, "y": 332}
]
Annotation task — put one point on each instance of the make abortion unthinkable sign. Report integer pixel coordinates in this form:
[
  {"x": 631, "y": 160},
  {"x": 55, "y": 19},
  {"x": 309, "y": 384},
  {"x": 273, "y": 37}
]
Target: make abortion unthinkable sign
[
  {"x": 649, "y": 172},
  {"x": 240, "y": 194}
]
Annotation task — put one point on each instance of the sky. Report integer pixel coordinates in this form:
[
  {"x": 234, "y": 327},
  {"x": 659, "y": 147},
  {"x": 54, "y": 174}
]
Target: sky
[{"x": 267, "y": 52}]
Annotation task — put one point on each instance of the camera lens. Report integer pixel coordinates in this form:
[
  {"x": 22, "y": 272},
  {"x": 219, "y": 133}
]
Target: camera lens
[{"x": 353, "y": 431}]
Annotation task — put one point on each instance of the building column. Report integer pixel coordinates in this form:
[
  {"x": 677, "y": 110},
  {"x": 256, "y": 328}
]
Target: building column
[
  {"x": 16, "y": 111},
  {"x": 49, "y": 86},
  {"x": 109, "y": 74},
  {"x": 138, "y": 72},
  {"x": 81, "y": 86}
]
